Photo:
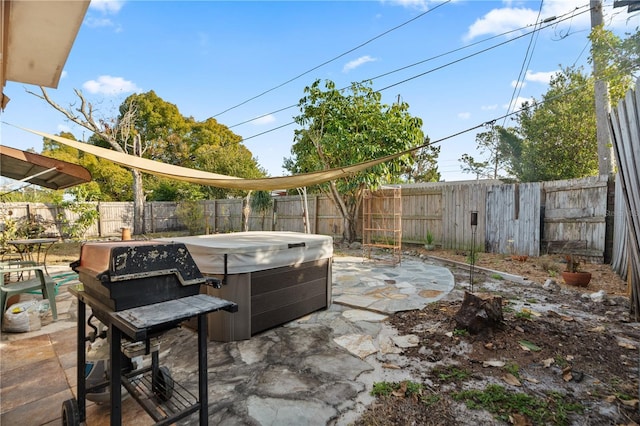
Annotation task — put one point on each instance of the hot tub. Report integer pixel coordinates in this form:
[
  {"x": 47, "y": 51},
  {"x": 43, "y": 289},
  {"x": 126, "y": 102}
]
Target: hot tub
[{"x": 274, "y": 277}]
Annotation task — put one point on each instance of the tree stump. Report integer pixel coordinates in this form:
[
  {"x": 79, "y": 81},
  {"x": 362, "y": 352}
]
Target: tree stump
[{"x": 479, "y": 313}]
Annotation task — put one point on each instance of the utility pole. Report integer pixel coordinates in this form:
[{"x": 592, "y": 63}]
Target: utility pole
[{"x": 605, "y": 147}]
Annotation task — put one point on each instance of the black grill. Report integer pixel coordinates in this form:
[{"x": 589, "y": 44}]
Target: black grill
[{"x": 124, "y": 275}]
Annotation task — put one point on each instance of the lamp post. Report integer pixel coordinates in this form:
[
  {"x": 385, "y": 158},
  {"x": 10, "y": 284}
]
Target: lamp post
[{"x": 474, "y": 226}]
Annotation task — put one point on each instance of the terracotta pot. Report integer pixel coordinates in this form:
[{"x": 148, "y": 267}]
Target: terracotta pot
[{"x": 578, "y": 279}]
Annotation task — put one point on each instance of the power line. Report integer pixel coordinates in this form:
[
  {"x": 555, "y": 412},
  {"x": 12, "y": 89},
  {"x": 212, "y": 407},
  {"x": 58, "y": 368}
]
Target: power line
[
  {"x": 525, "y": 62},
  {"x": 333, "y": 59},
  {"x": 547, "y": 21}
]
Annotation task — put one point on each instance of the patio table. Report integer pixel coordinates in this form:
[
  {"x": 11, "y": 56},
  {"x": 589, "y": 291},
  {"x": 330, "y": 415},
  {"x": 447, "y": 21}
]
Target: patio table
[{"x": 34, "y": 249}]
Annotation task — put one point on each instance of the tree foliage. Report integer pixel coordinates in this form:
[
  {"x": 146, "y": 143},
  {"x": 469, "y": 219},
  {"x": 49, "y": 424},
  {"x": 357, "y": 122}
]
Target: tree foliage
[
  {"x": 555, "y": 137},
  {"x": 149, "y": 127},
  {"x": 340, "y": 128},
  {"x": 558, "y": 135}
]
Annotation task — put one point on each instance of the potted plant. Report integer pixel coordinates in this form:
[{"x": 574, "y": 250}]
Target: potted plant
[
  {"x": 429, "y": 241},
  {"x": 572, "y": 275}
]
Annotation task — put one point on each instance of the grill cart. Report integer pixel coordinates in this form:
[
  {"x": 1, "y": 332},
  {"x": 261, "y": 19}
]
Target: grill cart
[{"x": 138, "y": 291}]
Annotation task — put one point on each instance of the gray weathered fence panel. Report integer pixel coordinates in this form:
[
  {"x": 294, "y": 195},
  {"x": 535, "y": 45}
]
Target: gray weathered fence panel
[
  {"x": 576, "y": 210},
  {"x": 513, "y": 219},
  {"x": 625, "y": 123}
]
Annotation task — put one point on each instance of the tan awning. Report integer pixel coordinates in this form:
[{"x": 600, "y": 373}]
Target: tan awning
[
  {"x": 213, "y": 179},
  {"x": 40, "y": 170}
]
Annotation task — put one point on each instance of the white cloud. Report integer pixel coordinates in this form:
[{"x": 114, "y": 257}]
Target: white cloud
[
  {"x": 108, "y": 85},
  {"x": 464, "y": 115},
  {"x": 517, "y": 103},
  {"x": 489, "y": 107},
  {"x": 63, "y": 74},
  {"x": 518, "y": 84},
  {"x": 265, "y": 119},
  {"x": 499, "y": 21},
  {"x": 93, "y": 22},
  {"x": 540, "y": 77},
  {"x": 351, "y": 65},
  {"x": 107, "y": 6},
  {"x": 415, "y": 4}
]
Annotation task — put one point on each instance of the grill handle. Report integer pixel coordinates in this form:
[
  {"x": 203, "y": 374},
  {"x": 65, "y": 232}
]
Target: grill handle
[
  {"x": 213, "y": 282},
  {"x": 294, "y": 245}
]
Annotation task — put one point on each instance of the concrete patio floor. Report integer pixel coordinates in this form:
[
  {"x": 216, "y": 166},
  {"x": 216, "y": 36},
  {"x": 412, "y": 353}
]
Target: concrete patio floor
[{"x": 316, "y": 370}]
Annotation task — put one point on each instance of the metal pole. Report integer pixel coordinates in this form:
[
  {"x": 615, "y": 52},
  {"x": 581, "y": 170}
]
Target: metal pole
[{"x": 601, "y": 89}]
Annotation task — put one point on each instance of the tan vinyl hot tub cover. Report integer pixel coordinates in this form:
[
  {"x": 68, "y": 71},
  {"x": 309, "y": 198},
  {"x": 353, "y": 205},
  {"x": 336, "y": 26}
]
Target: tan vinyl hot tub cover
[{"x": 213, "y": 179}]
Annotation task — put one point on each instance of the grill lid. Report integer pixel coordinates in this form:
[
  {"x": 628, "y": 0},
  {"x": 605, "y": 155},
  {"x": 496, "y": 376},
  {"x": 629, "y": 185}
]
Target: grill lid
[{"x": 133, "y": 260}]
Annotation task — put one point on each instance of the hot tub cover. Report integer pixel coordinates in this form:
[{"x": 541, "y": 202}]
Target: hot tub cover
[{"x": 254, "y": 250}]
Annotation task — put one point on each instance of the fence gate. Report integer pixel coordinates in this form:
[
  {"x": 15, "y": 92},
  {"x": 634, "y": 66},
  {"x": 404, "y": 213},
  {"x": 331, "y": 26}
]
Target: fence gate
[{"x": 513, "y": 219}]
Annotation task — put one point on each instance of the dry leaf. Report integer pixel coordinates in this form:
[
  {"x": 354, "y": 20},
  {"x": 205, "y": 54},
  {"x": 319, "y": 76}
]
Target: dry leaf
[
  {"x": 493, "y": 363},
  {"x": 529, "y": 311},
  {"x": 401, "y": 391},
  {"x": 488, "y": 345},
  {"x": 548, "y": 362},
  {"x": 626, "y": 345},
  {"x": 391, "y": 366},
  {"x": 610, "y": 398},
  {"x": 569, "y": 357},
  {"x": 528, "y": 346},
  {"x": 633, "y": 403},
  {"x": 557, "y": 315},
  {"x": 598, "y": 329},
  {"x": 566, "y": 374},
  {"x": 532, "y": 380},
  {"x": 518, "y": 419},
  {"x": 511, "y": 379}
]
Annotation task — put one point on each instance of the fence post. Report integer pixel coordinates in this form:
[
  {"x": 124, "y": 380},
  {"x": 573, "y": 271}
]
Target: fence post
[{"x": 100, "y": 231}]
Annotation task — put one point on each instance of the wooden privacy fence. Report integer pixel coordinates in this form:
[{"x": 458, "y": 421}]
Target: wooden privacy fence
[
  {"x": 625, "y": 126},
  {"x": 526, "y": 218}
]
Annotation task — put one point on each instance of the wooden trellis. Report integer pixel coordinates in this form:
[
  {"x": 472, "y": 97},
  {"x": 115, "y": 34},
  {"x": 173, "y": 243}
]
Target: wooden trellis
[{"x": 382, "y": 224}]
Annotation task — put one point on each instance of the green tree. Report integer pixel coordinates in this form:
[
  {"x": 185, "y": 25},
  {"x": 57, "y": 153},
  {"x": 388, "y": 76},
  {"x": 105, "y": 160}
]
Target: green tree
[
  {"x": 109, "y": 181},
  {"x": 495, "y": 148},
  {"x": 339, "y": 128},
  {"x": 558, "y": 135},
  {"x": 425, "y": 166},
  {"x": 620, "y": 60}
]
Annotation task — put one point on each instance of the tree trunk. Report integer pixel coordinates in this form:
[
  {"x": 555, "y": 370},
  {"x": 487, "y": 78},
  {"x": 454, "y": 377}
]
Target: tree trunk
[
  {"x": 479, "y": 313},
  {"x": 138, "y": 203}
]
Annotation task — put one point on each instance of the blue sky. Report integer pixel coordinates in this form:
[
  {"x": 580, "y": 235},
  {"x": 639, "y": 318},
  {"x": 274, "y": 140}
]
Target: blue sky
[{"x": 208, "y": 56}]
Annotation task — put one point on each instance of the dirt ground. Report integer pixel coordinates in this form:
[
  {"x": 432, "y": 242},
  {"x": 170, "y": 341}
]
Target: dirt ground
[{"x": 558, "y": 357}]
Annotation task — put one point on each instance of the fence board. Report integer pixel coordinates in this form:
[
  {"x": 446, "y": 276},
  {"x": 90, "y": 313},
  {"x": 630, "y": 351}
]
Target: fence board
[
  {"x": 513, "y": 219},
  {"x": 625, "y": 123}
]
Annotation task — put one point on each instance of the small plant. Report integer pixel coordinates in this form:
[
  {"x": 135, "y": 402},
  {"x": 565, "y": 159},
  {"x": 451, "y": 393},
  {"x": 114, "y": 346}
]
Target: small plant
[
  {"x": 382, "y": 389},
  {"x": 407, "y": 388},
  {"x": 554, "y": 409},
  {"x": 513, "y": 368},
  {"x": 525, "y": 315},
  {"x": 460, "y": 332},
  {"x": 191, "y": 215},
  {"x": 497, "y": 277},
  {"x": 573, "y": 263},
  {"x": 452, "y": 373},
  {"x": 429, "y": 238},
  {"x": 472, "y": 257}
]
